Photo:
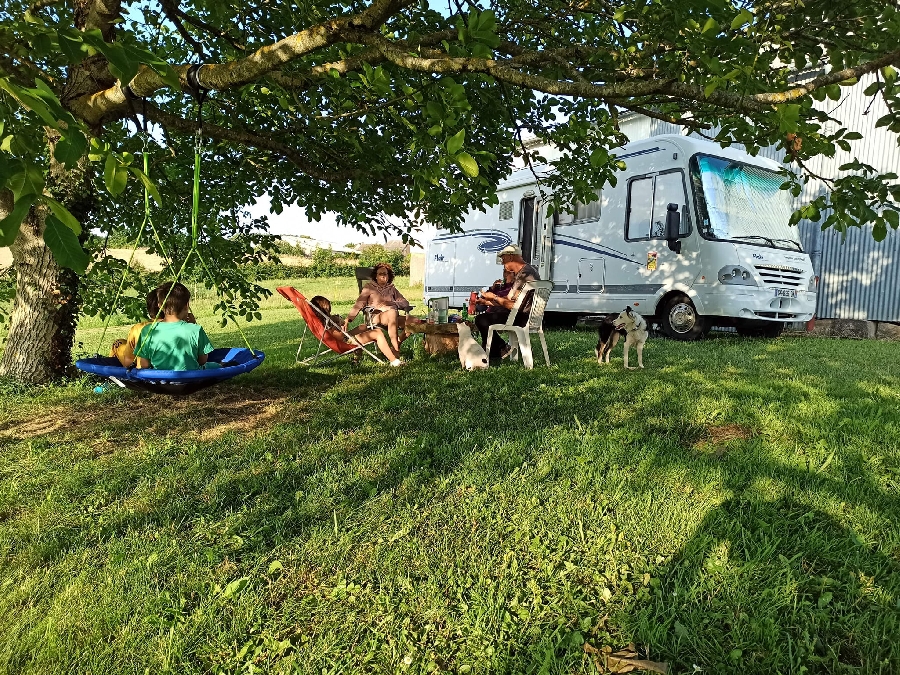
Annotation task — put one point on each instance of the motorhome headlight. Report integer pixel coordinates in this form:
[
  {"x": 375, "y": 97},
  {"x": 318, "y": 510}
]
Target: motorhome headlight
[
  {"x": 735, "y": 275},
  {"x": 813, "y": 284}
]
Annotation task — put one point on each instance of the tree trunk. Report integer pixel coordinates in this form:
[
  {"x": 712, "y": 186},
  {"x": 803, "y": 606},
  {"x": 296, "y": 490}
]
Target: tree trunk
[
  {"x": 42, "y": 323},
  {"x": 45, "y": 311}
]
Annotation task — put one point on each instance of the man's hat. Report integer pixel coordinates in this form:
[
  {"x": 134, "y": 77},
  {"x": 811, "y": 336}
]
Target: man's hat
[{"x": 512, "y": 249}]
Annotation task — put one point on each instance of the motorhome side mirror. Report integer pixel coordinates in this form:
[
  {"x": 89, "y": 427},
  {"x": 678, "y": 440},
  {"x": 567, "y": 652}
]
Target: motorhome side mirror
[{"x": 673, "y": 227}]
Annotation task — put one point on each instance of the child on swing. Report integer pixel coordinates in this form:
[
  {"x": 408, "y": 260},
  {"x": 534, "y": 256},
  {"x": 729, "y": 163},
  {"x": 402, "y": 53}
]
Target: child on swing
[
  {"x": 173, "y": 343},
  {"x": 124, "y": 349}
]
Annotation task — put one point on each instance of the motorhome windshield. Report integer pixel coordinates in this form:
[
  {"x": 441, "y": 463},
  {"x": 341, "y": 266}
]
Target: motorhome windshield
[{"x": 740, "y": 202}]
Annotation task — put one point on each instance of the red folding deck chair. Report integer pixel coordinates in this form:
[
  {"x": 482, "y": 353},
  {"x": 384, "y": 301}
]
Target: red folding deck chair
[{"x": 317, "y": 323}]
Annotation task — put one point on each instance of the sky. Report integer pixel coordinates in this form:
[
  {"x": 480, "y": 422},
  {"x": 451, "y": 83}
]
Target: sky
[{"x": 293, "y": 221}]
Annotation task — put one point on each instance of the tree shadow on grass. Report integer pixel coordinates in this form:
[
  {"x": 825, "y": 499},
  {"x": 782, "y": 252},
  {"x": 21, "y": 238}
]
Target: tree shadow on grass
[
  {"x": 773, "y": 586},
  {"x": 389, "y": 461}
]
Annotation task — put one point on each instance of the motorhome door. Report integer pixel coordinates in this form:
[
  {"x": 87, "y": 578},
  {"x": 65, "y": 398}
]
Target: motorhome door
[
  {"x": 527, "y": 229},
  {"x": 543, "y": 257}
]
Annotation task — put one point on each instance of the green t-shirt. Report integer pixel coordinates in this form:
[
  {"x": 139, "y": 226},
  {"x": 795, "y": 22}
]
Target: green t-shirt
[{"x": 173, "y": 346}]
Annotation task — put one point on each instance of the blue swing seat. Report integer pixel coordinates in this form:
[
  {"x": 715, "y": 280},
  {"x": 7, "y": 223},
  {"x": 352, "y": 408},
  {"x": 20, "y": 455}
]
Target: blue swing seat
[{"x": 174, "y": 382}]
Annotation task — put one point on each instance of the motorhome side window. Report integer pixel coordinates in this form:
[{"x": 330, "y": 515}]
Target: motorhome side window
[
  {"x": 648, "y": 198},
  {"x": 589, "y": 211}
]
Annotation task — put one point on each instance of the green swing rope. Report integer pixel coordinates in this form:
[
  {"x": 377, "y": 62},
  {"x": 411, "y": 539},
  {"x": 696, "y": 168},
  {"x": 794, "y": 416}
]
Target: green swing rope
[
  {"x": 195, "y": 229},
  {"x": 137, "y": 242}
]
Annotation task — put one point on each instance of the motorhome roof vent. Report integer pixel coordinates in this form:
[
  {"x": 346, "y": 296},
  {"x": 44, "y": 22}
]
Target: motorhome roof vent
[{"x": 506, "y": 209}]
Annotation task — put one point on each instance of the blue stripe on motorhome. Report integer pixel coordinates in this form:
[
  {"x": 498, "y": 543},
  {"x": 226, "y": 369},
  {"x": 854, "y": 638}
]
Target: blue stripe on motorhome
[
  {"x": 495, "y": 241},
  {"x": 594, "y": 249},
  {"x": 638, "y": 154}
]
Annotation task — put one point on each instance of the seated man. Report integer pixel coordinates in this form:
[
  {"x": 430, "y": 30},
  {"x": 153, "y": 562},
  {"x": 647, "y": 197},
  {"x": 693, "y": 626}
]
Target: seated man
[
  {"x": 501, "y": 289},
  {"x": 511, "y": 256}
]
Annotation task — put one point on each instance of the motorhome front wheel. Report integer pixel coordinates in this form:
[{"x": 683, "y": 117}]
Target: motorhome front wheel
[{"x": 680, "y": 319}]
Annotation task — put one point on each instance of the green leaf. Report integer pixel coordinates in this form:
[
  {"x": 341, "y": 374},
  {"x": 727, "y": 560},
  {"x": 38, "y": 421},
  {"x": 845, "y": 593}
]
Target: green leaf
[
  {"x": 70, "y": 148},
  {"x": 743, "y": 17},
  {"x": 599, "y": 157},
  {"x": 29, "y": 180},
  {"x": 62, "y": 213},
  {"x": 711, "y": 26},
  {"x": 435, "y": 111},
  {"x": 9, "y": 226},
  {"x": 160, "y": 66},
  {"x": 468, "y": 164},
  {"x": 879, "y": 231},
  {"x": 64, "y": 245},
  {"x": 114, "y": 175},
  {"x": 892, "y": 217},
  {"x": 788, "y": 116},
  {"x": 455, "y": 142},
  {"x": 109, "y": 171},
  {"x": 889, "y": 73},
  {"x": 71, "y": 45},
  {"x": 873, "y": 88},
  {"x": 235, "y": 587},
  {"x": 28, "y": 100},
  {"x": 121, "y": 65},
  {"x": 149, "y": 185}
]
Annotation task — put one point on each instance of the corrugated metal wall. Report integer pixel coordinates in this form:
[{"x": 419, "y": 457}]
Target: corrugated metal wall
[{"x": 859, "y": 278}]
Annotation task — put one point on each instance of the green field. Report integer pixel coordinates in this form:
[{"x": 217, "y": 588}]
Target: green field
[{"x": 732, "y": 508}]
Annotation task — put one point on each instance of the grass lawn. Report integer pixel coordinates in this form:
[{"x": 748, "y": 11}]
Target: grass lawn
[{"x": 732, "y": 508}]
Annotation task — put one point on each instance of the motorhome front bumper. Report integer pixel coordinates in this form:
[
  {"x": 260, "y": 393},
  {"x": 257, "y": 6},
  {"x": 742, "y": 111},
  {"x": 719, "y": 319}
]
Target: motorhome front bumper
[{"x": 755, "y": 303}]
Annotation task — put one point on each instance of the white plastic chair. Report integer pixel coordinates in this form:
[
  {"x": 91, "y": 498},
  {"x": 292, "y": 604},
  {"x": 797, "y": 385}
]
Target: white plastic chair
[{"x": 520, "y": 336}]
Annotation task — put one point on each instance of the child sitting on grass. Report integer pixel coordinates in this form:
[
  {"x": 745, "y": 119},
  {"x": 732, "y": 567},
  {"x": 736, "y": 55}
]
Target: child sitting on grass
[{"x": 173, "y": 343}]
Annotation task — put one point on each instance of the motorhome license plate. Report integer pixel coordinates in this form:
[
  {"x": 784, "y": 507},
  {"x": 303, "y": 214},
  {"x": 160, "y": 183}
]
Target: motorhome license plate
[{"x": 785, "y": 293}]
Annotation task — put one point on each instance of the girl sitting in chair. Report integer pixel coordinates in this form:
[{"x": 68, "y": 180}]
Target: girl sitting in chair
[
  {"x": 386, "y": 301},
  {"x": 362, "y": 335}
]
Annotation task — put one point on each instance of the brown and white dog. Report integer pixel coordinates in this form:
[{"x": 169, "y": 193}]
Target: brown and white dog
[
  {"x": 636, "y": 333},
  {"x": 607, "y": 337}
]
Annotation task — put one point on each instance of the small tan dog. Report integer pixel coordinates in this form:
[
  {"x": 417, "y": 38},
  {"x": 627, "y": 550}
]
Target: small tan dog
[
  {"x": 636, "y": 333},
  {"x": 471, "y": 354}
]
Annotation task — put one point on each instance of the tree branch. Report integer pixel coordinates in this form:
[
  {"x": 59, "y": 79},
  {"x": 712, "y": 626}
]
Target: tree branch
[
  {"x": 95, "y": 108},
  {"x": 199, "y": 23},
  {"x": 170, "y": 121},
  {"x": 362, "y": 29},
  {"x": 173, "y": 14},
  {"x": 833, "y": 77},
  {"x": 693, "y": 124},
  {"x": 38, "y": 5}
]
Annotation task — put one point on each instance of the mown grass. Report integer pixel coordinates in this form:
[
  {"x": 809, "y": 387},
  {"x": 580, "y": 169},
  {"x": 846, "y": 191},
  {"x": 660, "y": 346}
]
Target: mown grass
[{"x": 733, "y": 508}]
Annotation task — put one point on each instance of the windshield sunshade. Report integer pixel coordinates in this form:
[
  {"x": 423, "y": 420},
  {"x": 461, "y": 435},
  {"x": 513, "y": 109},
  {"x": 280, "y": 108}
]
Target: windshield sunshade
[{"x": 743, "y": 202}]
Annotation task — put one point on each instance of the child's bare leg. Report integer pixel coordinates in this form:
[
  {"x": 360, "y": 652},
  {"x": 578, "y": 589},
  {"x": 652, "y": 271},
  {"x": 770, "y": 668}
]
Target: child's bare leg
[{"x": 377, "y": 336}]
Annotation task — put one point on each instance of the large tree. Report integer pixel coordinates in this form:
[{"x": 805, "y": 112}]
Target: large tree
[{"x": 388, "y": 108}]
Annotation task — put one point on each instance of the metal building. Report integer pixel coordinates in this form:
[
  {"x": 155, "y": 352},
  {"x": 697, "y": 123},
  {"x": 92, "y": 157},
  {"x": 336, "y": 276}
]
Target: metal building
[{"x": 859, "y": 278}]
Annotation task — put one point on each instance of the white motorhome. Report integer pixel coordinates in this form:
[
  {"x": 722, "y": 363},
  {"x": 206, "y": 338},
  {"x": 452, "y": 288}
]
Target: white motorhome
[{"x": 693, "y": 235}]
